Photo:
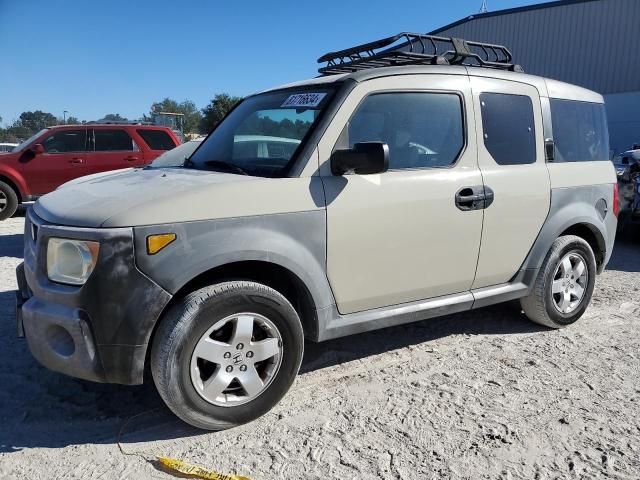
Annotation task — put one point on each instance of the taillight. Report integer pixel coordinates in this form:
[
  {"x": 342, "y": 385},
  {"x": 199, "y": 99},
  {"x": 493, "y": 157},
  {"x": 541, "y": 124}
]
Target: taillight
[{"x": 616, "y": 200}]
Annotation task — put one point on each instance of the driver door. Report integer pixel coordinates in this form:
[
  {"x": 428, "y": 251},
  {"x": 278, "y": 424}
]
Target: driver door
[
  {"x": 399, "y": 236},
  {"x": 64, "y": 159}
]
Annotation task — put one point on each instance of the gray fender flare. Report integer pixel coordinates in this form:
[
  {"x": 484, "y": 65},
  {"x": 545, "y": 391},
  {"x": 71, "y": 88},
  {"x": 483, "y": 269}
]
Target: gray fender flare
[
  {"x": 570, "y": 207},
  {"x": 294, "y": 241}
]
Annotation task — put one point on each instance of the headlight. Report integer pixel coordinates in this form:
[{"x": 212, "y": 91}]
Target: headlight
[{"x": 71, "y": 261}]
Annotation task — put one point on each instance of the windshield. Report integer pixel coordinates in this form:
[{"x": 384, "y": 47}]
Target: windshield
[
  {"x": 28, "y": 141},
  {"x": 261, "y": 136},
  {"x": 176, "y": 156}
]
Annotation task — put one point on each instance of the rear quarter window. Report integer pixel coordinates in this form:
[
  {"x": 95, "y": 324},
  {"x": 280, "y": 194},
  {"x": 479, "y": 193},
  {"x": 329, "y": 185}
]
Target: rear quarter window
[
  {"x": 112, "y": 141},
  {"x": 157, "y": 139},
  {"x": 508, "y": 128},
  {"x": 580, "y": 131}
]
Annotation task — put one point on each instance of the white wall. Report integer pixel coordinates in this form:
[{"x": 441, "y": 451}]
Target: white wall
[{"x": 623, "y": 112}]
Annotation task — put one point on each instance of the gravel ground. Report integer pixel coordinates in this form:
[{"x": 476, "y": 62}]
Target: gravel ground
[{"x": 484, "y": 394}]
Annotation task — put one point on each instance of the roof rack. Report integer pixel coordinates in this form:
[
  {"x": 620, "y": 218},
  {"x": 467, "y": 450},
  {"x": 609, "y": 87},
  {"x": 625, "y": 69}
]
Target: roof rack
[{"x": 417, "y": 49}]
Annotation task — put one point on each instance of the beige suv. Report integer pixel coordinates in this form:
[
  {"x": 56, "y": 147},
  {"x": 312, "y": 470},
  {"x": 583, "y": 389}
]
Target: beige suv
[{"x": 402, "y": 184}]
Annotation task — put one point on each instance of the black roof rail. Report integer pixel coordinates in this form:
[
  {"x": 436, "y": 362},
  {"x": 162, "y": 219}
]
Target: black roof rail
[{"x": 418, "y": 49}]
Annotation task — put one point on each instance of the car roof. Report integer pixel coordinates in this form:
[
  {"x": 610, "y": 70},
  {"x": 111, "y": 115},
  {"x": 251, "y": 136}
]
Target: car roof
[
  {"x": 546, "y": 86},
  {"x": 112, "y": 125}
]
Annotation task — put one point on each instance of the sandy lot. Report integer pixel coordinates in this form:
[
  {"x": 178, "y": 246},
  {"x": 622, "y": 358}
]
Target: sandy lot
[{"x": 484, "y": 394}]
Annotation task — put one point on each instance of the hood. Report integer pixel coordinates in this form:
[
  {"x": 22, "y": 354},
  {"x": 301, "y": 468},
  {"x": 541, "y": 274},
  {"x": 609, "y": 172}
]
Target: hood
[
  {"x": 94, "y": 176},
  {"x": 170, "y": 195}
]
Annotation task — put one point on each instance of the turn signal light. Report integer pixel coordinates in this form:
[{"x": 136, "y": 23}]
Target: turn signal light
[
  {"x": 616, "y": 200},
  {"x": 155, "y": 243}
]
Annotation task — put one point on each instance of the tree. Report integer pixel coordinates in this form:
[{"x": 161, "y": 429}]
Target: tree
[
  {"x": 35, "y": 121},
  {"x": 73, "y": 121},
  {"x": 218, "y": 107},
  {"x": 192, "y": 116},
  {"x": 113, "y": 117},
  {"x": 15, "y": 133}
]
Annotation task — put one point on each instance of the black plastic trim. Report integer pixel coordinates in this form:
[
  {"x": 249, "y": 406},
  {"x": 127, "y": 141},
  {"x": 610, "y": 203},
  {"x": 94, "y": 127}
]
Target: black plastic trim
[{"x": 119, "y": 303}]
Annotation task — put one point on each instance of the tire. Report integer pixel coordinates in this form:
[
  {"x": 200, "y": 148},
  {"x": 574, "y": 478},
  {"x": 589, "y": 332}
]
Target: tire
[
  {"x": 8, "y": 201},
  {"x": 544, "y": 307},
  {"x": 211, "y": 314}
]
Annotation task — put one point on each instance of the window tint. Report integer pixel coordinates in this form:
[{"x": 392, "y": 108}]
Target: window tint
[
  {"x": 508, "y": 128},
  {"x": 422, "y": 130},
  {"x": 579, "y": 131},
  {"x": 157, "y": 139},
  {"x": 112, "y": 141},
  {"x": 65, "y": 141}
]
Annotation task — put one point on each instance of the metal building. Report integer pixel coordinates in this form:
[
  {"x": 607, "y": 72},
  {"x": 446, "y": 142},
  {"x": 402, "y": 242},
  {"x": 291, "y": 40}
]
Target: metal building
[{"x": 592, "y": 43}]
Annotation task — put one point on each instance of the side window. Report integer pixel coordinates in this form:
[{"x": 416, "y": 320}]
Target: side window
[
  {"x": 579, "y": 131},
  {"x": 66, "y": 141},
  {"x": 508, "y": 128},
  {"x": 112, "y": 141},
  {"x": 422, "y": 130},
  {"x": 157, "y": 139}
]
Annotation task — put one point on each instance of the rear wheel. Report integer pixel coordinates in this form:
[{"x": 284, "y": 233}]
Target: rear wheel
[
  {"x": 564, "y": 285},
  {"x": 226, "y": 354},
  {"x": 8, "y": 201}
]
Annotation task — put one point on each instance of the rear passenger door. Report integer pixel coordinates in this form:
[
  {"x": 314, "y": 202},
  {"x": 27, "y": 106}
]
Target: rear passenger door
[
  {"x": 113, "y": 148},
  {"x": 511, "y": 159}
]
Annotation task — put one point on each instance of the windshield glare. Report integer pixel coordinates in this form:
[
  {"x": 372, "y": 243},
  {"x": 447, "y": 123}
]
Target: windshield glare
[
  {"x": 28, "y": 141},
  {"x": 261, "y": 136},
  {"x": 176, "y": 156}
]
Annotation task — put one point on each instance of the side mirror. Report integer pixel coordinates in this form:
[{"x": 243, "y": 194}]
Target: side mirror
[
  {"x": 363, "y": 159},
  {"x": 549, "y": 150},
  {"x": 38, "y": 149}
]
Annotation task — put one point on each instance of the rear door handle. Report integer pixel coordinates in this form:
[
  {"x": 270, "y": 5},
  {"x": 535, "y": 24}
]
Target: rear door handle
[
  {"x": 131, "y": 158},
  {"x": 76, "y": 160},
  {"x": 477, "y": 197}
]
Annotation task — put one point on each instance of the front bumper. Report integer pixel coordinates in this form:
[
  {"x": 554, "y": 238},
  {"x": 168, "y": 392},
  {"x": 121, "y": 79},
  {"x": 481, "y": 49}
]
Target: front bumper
[{"x": 100, "y": 330}]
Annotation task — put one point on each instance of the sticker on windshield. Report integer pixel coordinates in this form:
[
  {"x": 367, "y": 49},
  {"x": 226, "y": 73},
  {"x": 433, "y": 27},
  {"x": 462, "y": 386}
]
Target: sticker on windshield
[{"x": 303, "y": 100}]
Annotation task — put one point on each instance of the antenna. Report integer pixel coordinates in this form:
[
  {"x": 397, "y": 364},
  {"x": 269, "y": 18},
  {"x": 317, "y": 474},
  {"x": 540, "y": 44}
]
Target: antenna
[{"x": 483, "y": 7}]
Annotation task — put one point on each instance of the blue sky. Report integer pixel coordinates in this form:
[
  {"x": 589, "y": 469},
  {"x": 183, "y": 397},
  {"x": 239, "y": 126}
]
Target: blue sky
[{"x": 115, "y": 56}]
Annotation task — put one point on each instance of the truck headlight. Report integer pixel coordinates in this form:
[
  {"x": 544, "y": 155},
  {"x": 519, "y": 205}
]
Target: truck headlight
[{"x": 71, "y": 261}]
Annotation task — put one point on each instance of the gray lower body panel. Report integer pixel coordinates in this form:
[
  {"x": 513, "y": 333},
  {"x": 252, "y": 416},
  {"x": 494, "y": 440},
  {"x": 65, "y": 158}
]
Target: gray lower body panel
[{"x": 334, "y": 325}]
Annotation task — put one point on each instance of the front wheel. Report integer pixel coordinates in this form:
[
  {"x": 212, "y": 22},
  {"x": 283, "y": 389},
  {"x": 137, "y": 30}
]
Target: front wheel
[
  {"x": 226, "y": 354},
  {"x": 8, "y": 201},
  {"x": 564, "y": 285}
]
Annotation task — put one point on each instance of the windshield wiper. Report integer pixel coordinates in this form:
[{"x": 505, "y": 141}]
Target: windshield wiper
[{"x": 221, "y": 164}]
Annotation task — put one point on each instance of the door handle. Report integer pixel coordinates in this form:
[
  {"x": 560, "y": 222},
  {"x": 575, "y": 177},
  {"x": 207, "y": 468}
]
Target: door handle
[
  {"x": 76, "y": 161},
  {"x": 477, "y": 197},
  {"x": 131, "y": 158}
]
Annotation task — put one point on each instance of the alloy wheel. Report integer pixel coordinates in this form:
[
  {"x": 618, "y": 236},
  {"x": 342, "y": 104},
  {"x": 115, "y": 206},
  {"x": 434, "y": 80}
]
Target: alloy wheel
[
  {"x": 569, "y": 282},
  {"x": 236, "y": 360}
]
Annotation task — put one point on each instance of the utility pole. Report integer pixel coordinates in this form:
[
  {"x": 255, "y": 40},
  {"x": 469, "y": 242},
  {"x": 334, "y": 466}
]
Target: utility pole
[
  {"x": 483, "y": 7},
  {"x": 64, "y": 117}
]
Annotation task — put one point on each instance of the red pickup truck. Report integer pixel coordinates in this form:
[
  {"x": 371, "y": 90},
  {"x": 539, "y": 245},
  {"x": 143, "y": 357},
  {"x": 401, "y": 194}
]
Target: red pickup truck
[{"x": 56, "y": 155}]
